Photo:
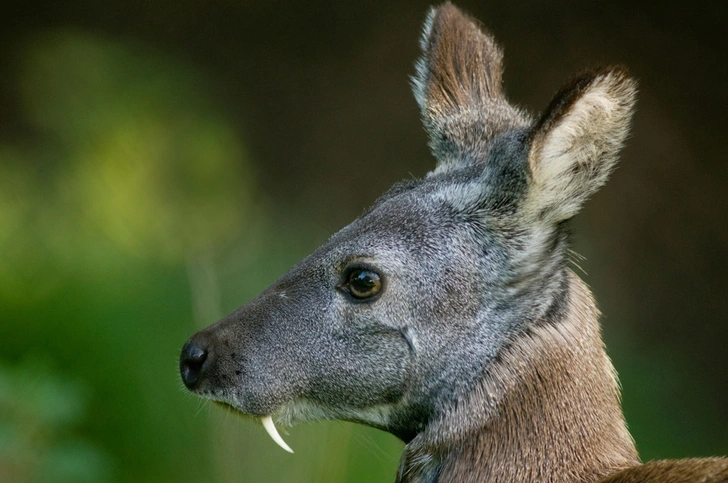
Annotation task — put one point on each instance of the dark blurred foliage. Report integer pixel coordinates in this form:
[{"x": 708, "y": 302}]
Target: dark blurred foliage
[{"x": 162, "y": 162}]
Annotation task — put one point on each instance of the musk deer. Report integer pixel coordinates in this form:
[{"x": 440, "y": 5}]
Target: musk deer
[{"x": 447, "y": 314}]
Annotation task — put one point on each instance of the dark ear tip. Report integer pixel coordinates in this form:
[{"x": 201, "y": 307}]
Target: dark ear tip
[
  {"x": 618, "y": 79},
  {"x": 619, "y": 70},
  {"x": 617, "y": 75}
]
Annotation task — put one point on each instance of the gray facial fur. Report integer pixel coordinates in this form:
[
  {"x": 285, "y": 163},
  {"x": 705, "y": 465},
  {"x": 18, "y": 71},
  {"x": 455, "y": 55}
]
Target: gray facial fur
[{"x": 304, "y": 346}]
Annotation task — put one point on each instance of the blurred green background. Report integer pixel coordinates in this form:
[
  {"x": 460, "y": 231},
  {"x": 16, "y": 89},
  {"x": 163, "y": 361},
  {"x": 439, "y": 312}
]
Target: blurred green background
[{"x": 163, "y": 162}]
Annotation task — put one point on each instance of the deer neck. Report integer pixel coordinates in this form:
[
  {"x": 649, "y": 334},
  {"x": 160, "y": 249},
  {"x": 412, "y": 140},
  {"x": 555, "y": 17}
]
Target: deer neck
[{"x": 549, "y": 410}]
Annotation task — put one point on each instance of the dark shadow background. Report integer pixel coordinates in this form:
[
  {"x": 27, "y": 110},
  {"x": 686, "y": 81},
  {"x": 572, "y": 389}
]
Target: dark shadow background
[{"x": 162, "y": 162}]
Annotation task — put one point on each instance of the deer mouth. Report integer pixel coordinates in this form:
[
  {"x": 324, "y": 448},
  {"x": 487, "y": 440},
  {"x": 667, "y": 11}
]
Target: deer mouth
[{"x": 266, "y": 421}]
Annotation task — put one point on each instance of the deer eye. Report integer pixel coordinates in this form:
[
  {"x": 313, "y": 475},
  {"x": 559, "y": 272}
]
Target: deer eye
[{"x": 363, "y": 283}]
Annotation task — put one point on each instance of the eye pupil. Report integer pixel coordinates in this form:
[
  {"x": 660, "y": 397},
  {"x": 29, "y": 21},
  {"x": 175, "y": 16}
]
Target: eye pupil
[{"x": 364, "y": 284}]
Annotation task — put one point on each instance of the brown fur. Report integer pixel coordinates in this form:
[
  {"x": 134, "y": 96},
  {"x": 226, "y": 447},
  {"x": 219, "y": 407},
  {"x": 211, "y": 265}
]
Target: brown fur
[
  {"x": 549, "y": 411},
  {"x": 697, "y": 470}
]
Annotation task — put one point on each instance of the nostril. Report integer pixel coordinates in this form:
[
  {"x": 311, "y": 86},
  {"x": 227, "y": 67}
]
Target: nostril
[{"x": 191, "y": 363}]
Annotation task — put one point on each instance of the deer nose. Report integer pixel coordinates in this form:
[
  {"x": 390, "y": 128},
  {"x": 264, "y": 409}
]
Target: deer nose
[{"x": 192, "y": 361}]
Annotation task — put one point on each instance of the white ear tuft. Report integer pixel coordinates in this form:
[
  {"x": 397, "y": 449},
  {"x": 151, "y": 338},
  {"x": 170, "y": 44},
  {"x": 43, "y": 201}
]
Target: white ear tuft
[{"x": 576, "y": 142}]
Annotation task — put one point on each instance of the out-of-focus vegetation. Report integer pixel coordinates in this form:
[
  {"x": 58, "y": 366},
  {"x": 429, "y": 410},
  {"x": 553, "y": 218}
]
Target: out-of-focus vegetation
[
  {"x": 116, "y": 215},
  {"x": 134, "y": 174},
  {"x": 162, "y": 163},
  {"x": 39, "y": 435}
]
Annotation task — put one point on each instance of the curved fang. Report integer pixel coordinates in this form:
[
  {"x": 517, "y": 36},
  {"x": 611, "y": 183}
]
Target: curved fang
[{"x": 273, "y": 433}]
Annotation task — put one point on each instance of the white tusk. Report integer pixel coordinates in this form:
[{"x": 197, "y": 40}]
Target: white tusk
[{"x": 273, "y": 433}]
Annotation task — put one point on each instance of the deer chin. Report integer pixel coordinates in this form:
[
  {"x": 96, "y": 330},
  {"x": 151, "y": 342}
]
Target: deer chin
[
  {"x": 267, "y": 422},
  {"x": 304, "y": 411}
]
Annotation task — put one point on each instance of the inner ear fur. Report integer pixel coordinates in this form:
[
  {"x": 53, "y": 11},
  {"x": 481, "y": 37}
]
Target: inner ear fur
[{"x": 576, "y": 142}]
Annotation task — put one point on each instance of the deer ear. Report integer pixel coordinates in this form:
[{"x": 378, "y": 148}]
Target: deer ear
[
  {"x": 576, "y": 142},
  {"x": 458, "y": 88}
]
